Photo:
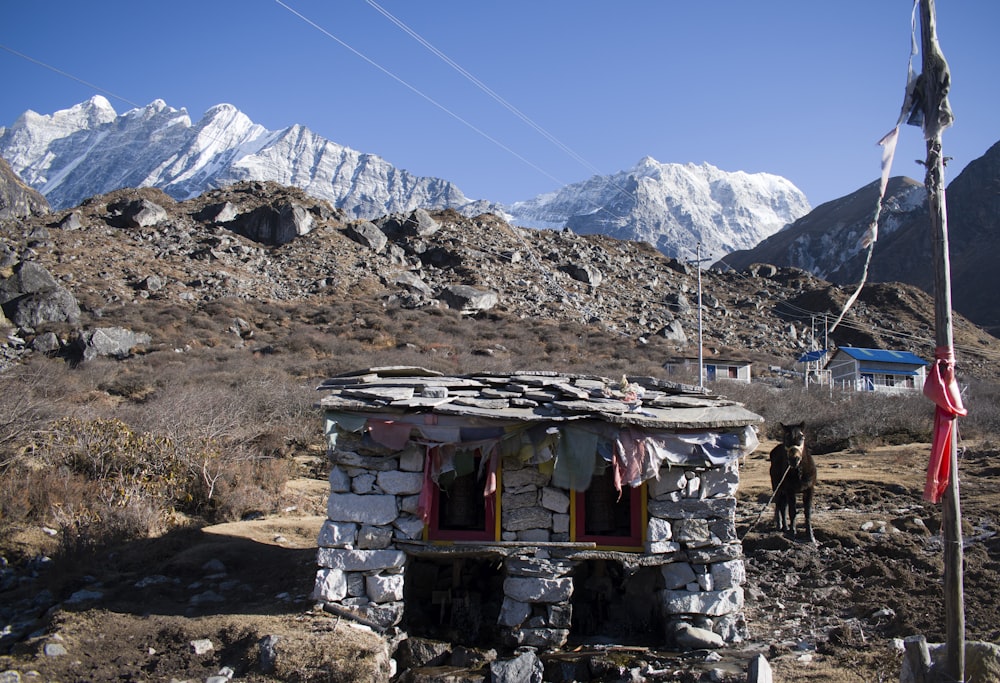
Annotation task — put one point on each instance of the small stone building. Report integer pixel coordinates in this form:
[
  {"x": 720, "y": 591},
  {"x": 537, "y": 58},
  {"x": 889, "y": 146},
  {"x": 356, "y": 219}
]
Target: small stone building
[{"x": 533, "y": 508}]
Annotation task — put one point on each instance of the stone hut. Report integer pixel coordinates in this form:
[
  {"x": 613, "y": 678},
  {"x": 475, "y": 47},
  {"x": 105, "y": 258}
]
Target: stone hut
[{"x": 533, "y": 508}]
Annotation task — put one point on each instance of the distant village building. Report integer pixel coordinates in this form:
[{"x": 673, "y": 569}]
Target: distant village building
[
  {"x": 531, "y": 508},
  {"x": 716, "y": 369},
  {"x": 811, "y": 363},
  {"x": 877, "y": 370}
]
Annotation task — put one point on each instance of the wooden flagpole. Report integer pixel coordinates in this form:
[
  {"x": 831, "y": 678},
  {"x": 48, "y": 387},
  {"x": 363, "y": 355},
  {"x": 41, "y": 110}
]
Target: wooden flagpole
[{"x": 936, "y": 80}]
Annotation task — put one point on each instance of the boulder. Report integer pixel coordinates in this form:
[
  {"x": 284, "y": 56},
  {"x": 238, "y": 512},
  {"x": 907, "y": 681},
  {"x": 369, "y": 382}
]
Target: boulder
[
  {"x": 275, "y": 225},
  {"x": 468, "y": 299},
  {"x": 674, "y": 332},
  {"x": 143, "y": 213},
  {"x": 47, "y": 343},
  {"x": 415, "y": 653},
  {"x": 70, "y": 221},
  {"x": 116, "y": 342},
  {"x": 49, "y": 306},
  {"x": 418, "y": 223},
  {"x": 690, "y": 637},
  {"x": 220, "y": 212},
  {"x": 523, "y": 668},
  {"x": 412, "y": 282},
  {"x": 584, "y": 273},
  {"x": 28, "y": 278},
  {"x": 367, "y": 234},
  {"x": 8, "y": 257}
]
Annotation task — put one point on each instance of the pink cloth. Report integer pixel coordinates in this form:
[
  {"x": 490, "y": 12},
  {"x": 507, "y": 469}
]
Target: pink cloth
[
  {"x": 630, "y": 452},
  {"x": 427, "y": 492},
  {"x": 390, "y": 433},
  {"x": 942, "y": 388}
]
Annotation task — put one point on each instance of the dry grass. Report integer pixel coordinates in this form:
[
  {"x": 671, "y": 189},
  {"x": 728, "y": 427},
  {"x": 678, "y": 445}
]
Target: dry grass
[{"x": 206, "y": 421}]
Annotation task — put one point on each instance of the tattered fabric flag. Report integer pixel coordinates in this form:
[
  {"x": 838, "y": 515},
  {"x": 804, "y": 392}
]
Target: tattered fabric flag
[
  {"x": 432, "y": 464},
  {"x": 911, "y": 103},
  {"x": 942, "y": 388}
]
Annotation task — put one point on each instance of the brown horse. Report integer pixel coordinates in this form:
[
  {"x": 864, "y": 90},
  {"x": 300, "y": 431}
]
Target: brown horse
[{"x": 792, "y": 472}]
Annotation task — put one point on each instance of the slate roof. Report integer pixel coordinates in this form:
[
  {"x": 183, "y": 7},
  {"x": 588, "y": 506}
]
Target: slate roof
[
  {"x": 882, "y": 356},
  {"x": 531, "y": 396}
]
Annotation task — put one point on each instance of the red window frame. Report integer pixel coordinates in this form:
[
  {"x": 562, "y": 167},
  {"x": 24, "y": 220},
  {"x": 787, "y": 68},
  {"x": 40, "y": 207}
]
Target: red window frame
[
  {"x": 637, "y": 528},
  {"x": 489, "y": 531}
]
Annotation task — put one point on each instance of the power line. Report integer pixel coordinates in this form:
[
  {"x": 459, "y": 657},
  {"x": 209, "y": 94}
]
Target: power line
[
  {"x": 482, "y": 86},
  {"x": 69, "y": 75},
  {"x": 504, "y": 103},
  {"x": 417, "y": 91}
]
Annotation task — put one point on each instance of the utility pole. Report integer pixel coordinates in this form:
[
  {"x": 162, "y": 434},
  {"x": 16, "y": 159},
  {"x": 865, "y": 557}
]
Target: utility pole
[
  {"x": 701, "y": 357},
  {"x": 937, "y": 116},
  {"x": 701, "y": 351}
]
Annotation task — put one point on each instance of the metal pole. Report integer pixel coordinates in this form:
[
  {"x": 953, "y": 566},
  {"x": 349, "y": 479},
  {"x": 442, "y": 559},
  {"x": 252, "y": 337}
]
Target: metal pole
[
  {"x": 937, "y": 116},
  {"x": 701, "y": 360}
]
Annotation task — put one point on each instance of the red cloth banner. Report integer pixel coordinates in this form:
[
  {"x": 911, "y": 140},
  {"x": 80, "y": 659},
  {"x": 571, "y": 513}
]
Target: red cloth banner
[{"x": 942, "y": 388}]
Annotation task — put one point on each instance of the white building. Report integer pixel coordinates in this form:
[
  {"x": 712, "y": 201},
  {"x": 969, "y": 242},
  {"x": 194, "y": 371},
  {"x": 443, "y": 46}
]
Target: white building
[
  {"x": 716, "y": 369},
  {"x": 877, "y": 370}
]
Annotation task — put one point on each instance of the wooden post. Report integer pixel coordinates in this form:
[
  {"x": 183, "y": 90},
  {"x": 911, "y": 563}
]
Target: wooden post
[{"x": 937, "y": 116}]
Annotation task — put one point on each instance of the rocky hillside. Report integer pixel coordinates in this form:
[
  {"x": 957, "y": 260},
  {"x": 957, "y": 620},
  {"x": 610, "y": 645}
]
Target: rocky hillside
[
  {"x": 827, "y": 240},
  {"x": 17, "y": 200},
  {"x": 136, "y": 261}
]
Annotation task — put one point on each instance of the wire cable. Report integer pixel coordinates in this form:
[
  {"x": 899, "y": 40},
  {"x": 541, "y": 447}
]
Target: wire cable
[
  {"x": 506, "y": 105},
  {"x": 69, "y": 75},
  {"x": 417, "y": 91}
]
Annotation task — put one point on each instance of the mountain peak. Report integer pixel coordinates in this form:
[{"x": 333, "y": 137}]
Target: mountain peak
[
  {"x": 74, "y": 154},
  {"x": 98, "y": 104},
  {"x": 671, "y": 206}
]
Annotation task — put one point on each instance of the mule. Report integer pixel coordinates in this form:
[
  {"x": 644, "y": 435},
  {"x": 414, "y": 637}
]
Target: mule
[{"x": 793, "y": 471}]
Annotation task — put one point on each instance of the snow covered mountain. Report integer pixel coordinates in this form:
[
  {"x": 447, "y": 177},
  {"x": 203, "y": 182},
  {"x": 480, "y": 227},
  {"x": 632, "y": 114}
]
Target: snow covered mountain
[
  {"x": 671, "y": 206},
  {"x": 89, "y": 149}
]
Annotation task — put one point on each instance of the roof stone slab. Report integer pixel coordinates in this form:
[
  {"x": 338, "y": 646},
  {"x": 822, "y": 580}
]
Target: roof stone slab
[{"x": 533, "y": 397}]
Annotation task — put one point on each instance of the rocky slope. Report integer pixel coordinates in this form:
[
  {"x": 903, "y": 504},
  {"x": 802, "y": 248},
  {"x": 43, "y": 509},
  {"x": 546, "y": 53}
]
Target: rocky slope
[
  {"x": 827, "y": 240},
  {"x": 17, "y": 200},
  {"x": 261, "y": 242}
]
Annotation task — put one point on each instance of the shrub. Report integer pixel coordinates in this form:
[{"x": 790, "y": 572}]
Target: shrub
[{"x": 836, "y": 420}]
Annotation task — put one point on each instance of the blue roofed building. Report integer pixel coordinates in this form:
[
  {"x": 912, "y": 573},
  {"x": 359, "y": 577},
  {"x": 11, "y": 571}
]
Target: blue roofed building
[{"x": 879, "y": 370}]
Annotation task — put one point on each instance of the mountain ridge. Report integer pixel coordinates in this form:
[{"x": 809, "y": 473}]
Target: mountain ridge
[
  {"x": 89, "y": 150},
  {"x": 674, "y": 207},
  {"x": 827, "y": 241}
]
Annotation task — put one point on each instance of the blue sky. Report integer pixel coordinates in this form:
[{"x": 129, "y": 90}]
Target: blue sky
[{"x": 796, "y": 88}]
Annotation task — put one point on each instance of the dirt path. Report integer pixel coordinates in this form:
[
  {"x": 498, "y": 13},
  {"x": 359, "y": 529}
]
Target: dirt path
[{"x": 832, "y": 612}]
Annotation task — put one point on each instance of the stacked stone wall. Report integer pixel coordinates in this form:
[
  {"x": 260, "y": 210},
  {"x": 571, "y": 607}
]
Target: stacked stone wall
[{"x": 690, "y": 536}]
